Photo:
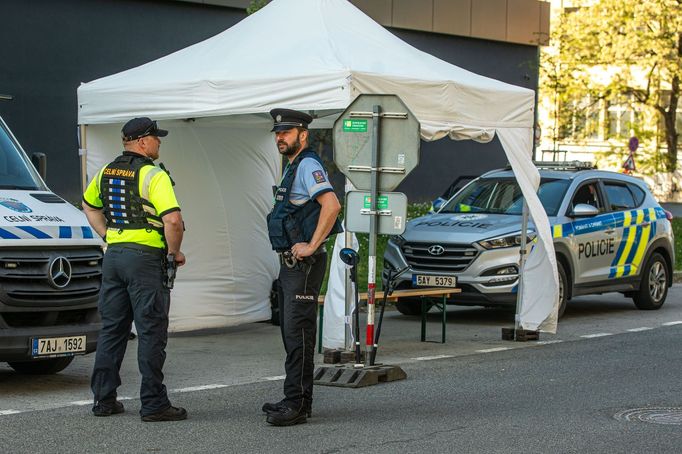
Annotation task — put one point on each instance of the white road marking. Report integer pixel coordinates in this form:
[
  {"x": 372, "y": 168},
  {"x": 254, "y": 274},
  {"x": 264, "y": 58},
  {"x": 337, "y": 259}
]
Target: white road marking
[
  {"x": 591, "y": 336},
  {"x": 636, "y": 330},
  {"x": 678, "y": 322},
  {"x": 78, "y": 403},
  {"x": 198, "y": 388},
  {"x": 553, "y": 341},
  {"x": 9, "y": 412},
  {"x": 429, "y": 358},
  {"x": 496, "y": 349},
  {"x": 274, "y": 378}
]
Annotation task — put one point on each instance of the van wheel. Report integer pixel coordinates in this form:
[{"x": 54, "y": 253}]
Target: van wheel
[
  {"x": 653, "y": 288},
  {"x": 411, "y": 306},
  {"x": 41, "y": 366},
  {"x": 563, "y": 289}
]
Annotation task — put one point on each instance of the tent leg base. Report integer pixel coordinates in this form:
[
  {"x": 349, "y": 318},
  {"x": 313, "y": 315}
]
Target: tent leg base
[
  {"x": 348, "y": 376},
  {"x": 336, "y": 356},
  {"x": 520, "y": 335}
]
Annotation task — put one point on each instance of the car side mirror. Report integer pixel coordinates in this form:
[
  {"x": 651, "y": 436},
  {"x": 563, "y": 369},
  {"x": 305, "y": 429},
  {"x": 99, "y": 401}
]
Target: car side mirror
[
  {"x": 584, "y": 210},
  {"x": 437, "y": 204}
]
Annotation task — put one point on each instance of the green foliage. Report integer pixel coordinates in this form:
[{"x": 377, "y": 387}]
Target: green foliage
[
  {"x": 677, "y": 229},
  {"x": 615, "y": 50},
  {"x": 255, "y": 5}
]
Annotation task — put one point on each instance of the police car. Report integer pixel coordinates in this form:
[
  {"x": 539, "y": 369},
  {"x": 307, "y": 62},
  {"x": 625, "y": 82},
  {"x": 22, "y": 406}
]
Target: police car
[{"x": 610, "y": 235}]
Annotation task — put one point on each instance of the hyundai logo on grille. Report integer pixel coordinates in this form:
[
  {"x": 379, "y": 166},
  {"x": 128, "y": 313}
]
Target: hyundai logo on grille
[
  {"x": 436, "y": 249},
  {"x": 59, "y": 273}
]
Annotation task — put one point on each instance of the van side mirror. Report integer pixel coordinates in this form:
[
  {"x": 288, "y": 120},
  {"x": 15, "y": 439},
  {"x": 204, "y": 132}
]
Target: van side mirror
[
  {"x": 584, "y": 210},
  {"x": 39, "y": 161}
]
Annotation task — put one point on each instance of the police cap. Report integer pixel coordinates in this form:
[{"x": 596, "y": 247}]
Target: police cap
[
  {"x": 141, "y": 127},
  {"x": 287, "y": 119}
]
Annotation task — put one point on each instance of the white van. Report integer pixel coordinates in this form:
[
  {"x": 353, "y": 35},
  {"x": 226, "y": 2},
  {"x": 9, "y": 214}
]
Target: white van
[{"x": 50, "y": 269}]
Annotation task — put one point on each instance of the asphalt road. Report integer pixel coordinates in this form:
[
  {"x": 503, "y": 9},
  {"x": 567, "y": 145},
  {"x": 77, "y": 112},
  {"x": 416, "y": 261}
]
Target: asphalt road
[{"x": 475, "y": 393}]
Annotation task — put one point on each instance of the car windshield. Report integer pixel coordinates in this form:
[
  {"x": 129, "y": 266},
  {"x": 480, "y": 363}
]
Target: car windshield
[
  {"x": 16, "y": 171},
  {"x": 503, "y": 196}
]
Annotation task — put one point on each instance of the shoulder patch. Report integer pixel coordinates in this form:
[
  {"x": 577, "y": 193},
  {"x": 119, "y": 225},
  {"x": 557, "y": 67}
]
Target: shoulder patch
[{"x": 319, "y": 176}]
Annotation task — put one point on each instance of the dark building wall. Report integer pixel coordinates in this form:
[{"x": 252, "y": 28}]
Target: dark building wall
[{"x": 50, "y": 46}]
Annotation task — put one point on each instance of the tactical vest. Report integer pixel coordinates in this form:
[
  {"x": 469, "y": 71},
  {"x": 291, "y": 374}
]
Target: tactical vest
[
  {"x": 125, "y": 207},
  {"x": 289, "y": 224}
]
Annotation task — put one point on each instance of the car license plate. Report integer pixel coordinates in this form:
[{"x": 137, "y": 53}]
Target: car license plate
[
  {"x": 57, "y": 346},
  {"x": 425, "y": 280}
]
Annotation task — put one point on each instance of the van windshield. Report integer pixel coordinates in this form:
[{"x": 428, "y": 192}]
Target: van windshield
[
  {"x": 503, "y": 196},
  {"x": 16, "y": 171}
]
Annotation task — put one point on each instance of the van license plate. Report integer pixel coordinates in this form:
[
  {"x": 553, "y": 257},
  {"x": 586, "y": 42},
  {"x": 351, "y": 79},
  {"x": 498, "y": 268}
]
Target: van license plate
[
  {"x": 57, "y": 346},
  {"x": 423, "y": 280}
]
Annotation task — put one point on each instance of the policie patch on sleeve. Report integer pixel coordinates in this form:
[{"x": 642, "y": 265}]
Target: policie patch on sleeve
[{"x": 319, "y": 176}]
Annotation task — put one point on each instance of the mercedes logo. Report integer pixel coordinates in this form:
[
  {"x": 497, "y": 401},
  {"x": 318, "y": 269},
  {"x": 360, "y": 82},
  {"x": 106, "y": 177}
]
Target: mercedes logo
[
  {"x": 436, "y": 249},
  {"x": 59, "y": 273}
]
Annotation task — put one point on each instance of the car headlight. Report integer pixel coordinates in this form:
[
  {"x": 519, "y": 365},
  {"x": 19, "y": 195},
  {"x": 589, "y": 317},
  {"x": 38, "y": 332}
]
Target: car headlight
[{"x": 513, "y": 240}]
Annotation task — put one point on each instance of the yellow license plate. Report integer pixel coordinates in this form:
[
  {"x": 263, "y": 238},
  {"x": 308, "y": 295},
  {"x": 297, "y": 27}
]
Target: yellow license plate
[
  {"x": 57, "y": 346},
  {"x": 425, "y": 280}
]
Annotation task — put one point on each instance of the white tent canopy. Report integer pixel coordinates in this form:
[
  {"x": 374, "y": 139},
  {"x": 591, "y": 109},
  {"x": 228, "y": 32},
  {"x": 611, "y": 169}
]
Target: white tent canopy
[{"x": 215, "y": 95}]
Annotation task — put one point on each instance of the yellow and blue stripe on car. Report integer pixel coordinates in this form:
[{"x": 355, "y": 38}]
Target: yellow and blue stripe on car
[{"x": 639, "y": 228}]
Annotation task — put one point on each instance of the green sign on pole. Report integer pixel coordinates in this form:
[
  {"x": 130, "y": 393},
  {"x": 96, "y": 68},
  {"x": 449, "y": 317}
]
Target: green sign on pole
[
  {"x": 382, "y": 202},
  {"x": 353, "y": 125}
]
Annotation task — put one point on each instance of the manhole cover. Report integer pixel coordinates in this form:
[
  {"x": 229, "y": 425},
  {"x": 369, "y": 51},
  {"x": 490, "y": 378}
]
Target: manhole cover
[{"x": 656, "y": 415}]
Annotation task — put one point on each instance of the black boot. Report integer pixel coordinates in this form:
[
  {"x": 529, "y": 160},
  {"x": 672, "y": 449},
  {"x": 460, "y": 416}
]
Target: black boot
[
  {"x": 273, "y": 407},
  {"x": 169, "y": 414},
  {"x": 287, "y": 416},
  {"x": 107, "y": 408}
]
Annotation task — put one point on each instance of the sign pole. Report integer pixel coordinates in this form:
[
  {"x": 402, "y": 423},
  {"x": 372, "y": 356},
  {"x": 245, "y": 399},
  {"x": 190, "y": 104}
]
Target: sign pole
[{"x": 371, "y": 278}]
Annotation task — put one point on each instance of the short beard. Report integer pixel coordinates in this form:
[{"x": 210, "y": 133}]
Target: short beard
[{"x": 292, "y": 149}]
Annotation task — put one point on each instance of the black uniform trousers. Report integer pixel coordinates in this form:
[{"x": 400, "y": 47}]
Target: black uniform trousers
[
  {"x": 133, "y": 289},
  {"x": 300, "y": 287}
]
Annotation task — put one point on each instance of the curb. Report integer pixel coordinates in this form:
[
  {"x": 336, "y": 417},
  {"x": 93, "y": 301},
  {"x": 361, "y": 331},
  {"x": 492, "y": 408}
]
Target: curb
[{"x": 677, "y": 277}]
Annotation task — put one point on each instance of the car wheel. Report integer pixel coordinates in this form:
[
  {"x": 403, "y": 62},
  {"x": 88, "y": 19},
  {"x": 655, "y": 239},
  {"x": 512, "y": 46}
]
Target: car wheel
[
  {"x": 563, "y": 289},
  {"x": 653, "y": 288},
  {"x": 41, "y": 366},
  {"x": 410, "y": 306}
]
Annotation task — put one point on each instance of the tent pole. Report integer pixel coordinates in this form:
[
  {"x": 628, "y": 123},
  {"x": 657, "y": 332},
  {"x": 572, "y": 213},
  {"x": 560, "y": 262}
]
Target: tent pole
[
  {"x": 522, "y": 262},
  {"x": 83, "y": 156},
  {"x": 349, "y": 335}
]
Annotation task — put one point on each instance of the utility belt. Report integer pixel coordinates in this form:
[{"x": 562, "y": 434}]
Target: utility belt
[{"x": 287, "y": 258}]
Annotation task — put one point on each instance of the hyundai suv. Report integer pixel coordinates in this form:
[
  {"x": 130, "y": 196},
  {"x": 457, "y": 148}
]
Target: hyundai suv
[{"x": 610, "y": 235}]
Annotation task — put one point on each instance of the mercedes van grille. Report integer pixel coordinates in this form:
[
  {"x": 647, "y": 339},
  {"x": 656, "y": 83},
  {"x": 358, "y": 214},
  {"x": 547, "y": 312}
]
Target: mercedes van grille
[
  {"x": 454, "y": 258},
  {"x": 25, "y": 276}
]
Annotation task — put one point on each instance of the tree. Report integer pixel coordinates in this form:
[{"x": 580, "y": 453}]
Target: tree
[
  {"x": 255, "y": 5},
  {"x": 618, "y": 49}
]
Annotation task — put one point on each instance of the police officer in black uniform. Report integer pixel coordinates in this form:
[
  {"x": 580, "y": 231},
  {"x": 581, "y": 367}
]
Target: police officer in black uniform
[
  {"x": 131, "y": 203},
  {"x": 304, "y": 214}
]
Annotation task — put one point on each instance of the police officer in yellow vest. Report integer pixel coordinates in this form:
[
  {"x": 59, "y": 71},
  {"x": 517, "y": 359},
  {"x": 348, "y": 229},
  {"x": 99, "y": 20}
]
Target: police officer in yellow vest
[
  {"x": 131, "y": 203},
  {"x": 303, "y": 216}
]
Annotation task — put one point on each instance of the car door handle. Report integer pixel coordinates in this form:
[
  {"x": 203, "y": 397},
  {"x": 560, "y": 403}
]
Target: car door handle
[
  {"x": 644, "y": 224},
  {"x": 610, "y": 231}
]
